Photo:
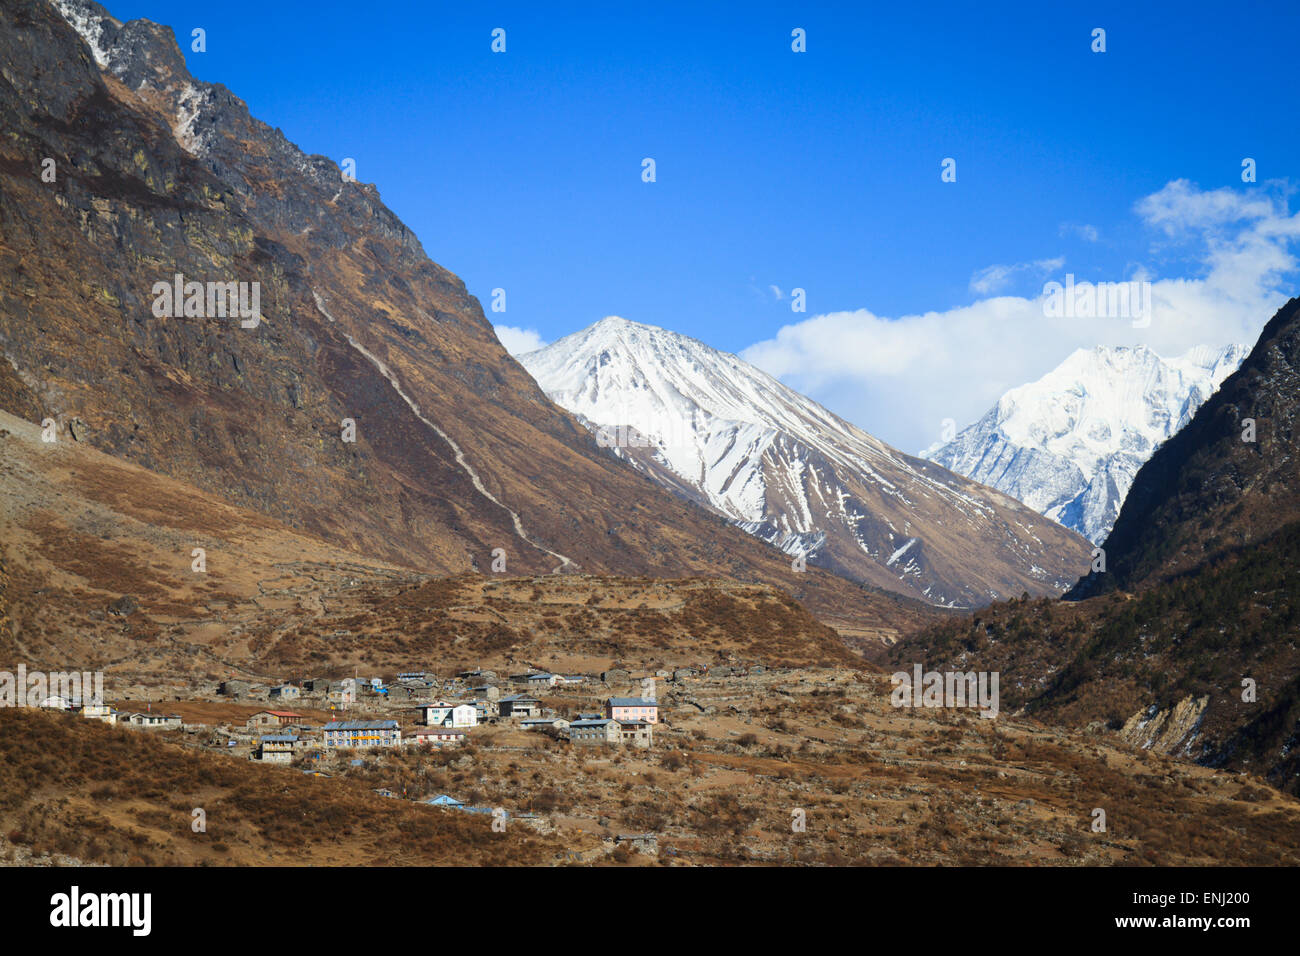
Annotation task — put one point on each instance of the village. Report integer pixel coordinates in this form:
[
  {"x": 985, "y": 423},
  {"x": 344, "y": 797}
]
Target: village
[
  {"x": 414, "y": 709},
  {"x": 327, "y": 727}
]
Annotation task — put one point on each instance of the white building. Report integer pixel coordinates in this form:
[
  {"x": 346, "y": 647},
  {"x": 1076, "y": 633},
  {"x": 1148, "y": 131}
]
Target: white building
[
  {"x": 446, "y": 714},
  {"x": 437, "y": 736},
  {"x": 100, "y": 712},
  {"x": 343, "y": 692}
]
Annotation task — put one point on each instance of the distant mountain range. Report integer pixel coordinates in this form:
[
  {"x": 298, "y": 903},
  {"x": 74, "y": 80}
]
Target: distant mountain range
[
  {"x": 1069, "y": 444},
  {"x": 720, "y": 432}
]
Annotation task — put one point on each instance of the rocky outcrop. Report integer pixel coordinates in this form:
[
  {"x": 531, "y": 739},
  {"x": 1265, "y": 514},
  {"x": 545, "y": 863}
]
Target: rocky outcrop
[{"x": 1169, "y": 731}]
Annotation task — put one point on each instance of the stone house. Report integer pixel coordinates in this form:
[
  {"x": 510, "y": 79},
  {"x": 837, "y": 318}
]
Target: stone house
[
  {"x": 411, "y": 690},
  {"x": 152, "y": 721},
  {"x": 538, "y": 723},
  {"x": 235, "y": 688},
  {"x": 340, "y": 691},
  {"x": 277, "y": 748},
  {"x": 595, "y": 733},
  {"x": 274, "y": 718},
  {"x": 636, "y": 733},
  {"x": 647, "y": 843},
  {"x": 520, "y": 705}
]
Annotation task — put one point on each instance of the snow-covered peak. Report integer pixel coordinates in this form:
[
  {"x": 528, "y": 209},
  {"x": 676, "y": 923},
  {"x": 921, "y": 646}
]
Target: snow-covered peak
[
  {"x": 1069, "y": 444},
  {"x": 1103, "y": 400},
  {"x": 720, "y": 431},
  {"x": 681, "y": 391}
]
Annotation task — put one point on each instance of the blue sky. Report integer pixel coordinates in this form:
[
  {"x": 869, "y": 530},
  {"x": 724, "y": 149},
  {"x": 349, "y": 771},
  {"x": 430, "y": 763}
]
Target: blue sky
[{"x": 818, "y": 170}]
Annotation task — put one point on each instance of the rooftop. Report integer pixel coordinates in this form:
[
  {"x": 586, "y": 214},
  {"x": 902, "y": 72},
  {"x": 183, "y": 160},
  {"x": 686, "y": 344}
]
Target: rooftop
[{"x": 361, "y": 725}]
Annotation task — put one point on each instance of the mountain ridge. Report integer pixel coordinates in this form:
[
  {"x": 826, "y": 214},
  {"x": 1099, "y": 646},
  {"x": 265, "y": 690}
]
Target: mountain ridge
[{"x": 713, "y": 428}]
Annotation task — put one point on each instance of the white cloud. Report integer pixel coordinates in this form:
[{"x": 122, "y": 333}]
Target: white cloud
[
  {"x": 1084, "y": 231},
  {"x": 776, "y": 291},
  {"x": 900, "y": 377},
  {"x": 518, "y": 341},
  {"x": 1181, "y": 206},
  {"x": 997, "y": 278}
]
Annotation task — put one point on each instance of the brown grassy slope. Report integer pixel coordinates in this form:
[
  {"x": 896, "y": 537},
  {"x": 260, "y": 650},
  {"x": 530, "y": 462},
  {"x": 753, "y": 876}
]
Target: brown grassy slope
[
  {"x": 1191, "y": 639},
  {"x": 878, "y": 786},
  {"x": 887, "y": 785},
  {"x": 111, "y": 795},
  {"x": 81, "y": 529},
  {"x": 570, "y": 622}
]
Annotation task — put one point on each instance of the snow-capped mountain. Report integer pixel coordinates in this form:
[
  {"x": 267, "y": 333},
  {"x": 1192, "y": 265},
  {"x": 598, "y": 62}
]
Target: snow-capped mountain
[
  {"x": 732, "y": 438},
  {"x": 1069, "y": 444}
]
